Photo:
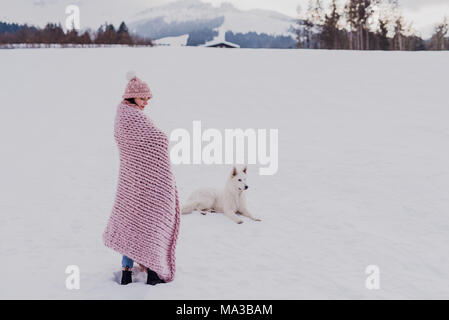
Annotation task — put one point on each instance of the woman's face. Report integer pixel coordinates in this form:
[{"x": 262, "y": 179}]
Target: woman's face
[{"x": 141, "y": 102}]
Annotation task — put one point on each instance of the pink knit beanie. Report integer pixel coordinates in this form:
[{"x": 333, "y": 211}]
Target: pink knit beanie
[{"x": 136, "y": 88}]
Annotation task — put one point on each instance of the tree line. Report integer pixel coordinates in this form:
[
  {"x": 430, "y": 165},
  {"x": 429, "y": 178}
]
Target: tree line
[
  {"x": 11, "y": 33},
  {"x": 260, "y": 40},
  {"x": 363, "y": 25}
]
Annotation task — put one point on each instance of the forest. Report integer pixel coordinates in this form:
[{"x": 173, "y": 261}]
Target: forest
[
  {"x": 107, "y": 34},
  {"x": 364, "y": 25}
]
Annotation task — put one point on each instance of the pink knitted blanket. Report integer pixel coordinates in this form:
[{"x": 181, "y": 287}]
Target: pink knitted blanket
[{"x": 144, "y": 222}]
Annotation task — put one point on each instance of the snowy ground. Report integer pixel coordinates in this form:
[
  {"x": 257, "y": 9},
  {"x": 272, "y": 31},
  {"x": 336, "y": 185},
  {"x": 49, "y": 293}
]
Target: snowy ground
[{"x": 363, "y": 171}]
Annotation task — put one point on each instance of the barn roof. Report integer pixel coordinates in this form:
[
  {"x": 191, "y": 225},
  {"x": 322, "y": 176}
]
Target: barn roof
[
  {"x": 220, "y": 39},
  {"x": 216, "y": 43}
]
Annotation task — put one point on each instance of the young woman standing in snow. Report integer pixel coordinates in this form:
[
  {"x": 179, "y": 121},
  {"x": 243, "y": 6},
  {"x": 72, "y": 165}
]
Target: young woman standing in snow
[{"x": 144, "y": 222}]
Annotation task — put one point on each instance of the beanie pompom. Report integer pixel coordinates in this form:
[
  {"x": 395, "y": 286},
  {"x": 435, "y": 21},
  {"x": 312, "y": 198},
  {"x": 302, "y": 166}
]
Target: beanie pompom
[{"x": 130, "y": 75}]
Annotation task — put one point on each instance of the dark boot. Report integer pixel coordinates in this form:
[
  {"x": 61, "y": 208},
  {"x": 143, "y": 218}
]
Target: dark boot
[
  {"x": 153, "y": 278},
  {"x": 126, "y": 276}
]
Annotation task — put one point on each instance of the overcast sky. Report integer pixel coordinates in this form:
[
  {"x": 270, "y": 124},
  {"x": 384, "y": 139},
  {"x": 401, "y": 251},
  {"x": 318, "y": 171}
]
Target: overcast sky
[{"x": 423, "y": 13}]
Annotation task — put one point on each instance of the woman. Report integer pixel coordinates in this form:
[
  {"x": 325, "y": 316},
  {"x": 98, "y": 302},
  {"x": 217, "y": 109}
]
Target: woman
[{"x": 144, "y": 222}]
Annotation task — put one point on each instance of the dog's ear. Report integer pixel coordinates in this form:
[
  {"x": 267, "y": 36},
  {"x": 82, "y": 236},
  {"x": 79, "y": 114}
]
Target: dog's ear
[
  {"x": 244, "y": 170},
  {"x": 234, "y": 172}
]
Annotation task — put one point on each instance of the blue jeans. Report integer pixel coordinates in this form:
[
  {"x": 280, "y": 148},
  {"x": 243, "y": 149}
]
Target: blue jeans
[{"x": 127, "y": 262}]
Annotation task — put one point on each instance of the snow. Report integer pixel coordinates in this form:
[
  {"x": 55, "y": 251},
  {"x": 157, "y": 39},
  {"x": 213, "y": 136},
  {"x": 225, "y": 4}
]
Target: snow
[
  {"x": 363, "y": 171},
  {"x": 235, "y": 20},
  {"x": 173, "y": 41},
  {"x": 256, "y": 20}
]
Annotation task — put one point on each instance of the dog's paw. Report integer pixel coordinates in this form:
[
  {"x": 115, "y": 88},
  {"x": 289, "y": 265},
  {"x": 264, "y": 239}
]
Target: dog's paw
[
  {"x": 239, "y": 221},
  {"x": 257, "y": 219}
]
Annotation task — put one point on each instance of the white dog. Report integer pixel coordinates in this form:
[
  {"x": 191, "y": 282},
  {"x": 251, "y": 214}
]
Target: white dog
[{"x": 230, "y": 200}]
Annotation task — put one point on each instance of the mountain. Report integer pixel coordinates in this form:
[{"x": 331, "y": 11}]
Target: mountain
[{"x": 195, "y": 17}]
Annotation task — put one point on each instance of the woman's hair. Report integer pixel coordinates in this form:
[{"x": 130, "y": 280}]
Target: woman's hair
[{"x": 131, "y": 100}]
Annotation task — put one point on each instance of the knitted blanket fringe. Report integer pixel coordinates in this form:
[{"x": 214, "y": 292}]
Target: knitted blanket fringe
[{"x": 144, "y": 222}]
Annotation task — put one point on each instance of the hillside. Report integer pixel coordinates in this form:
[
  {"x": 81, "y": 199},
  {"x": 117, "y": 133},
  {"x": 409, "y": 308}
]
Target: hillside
[{"x": 193, "y": 16}]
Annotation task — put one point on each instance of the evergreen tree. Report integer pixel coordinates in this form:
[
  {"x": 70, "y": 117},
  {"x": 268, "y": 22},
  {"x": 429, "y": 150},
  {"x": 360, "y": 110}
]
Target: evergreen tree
[
  {"x": 398, "y": 34},
  {"x": 383, "y": 42},
  {"x": 314, "y": 23},
  {"x": 330, "y": 33},
  {"x": 438, "y": 40},
  {"x": 106, "y": 34},
  {"x": 123, "y": 34},
  {"x": 351, "y": 13}
]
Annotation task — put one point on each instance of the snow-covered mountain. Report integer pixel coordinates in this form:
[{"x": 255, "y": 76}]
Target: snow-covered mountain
[{"x": 186, "y": 16}]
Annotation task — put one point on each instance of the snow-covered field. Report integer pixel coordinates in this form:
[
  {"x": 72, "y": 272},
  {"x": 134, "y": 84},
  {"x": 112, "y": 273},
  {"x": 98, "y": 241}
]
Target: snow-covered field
[{"x": 363, "y": 171}]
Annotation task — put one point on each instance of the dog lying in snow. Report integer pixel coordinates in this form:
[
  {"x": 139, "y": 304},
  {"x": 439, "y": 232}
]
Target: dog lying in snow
[{"x": 230, "y": 201}]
